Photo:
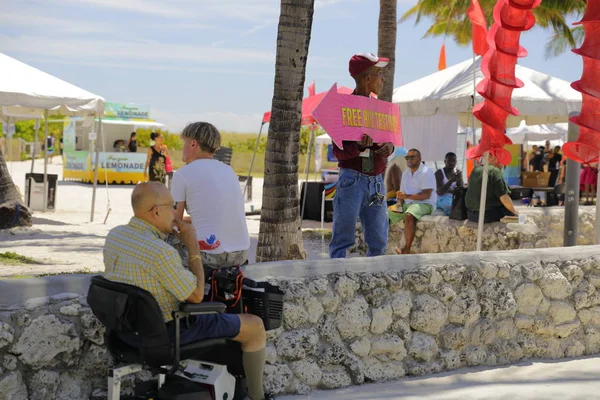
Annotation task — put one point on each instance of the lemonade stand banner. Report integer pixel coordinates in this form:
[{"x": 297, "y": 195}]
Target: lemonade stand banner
[
  {"x": 114, "y": 167},
  {"x": 77, "y": 160},
  {"x": 122, "y": 162},
  {"x": 69, "y": 134},
  {"x": 76, "y": 165},
  {"x": 130, "y": 111},
  {"x": 121, "y": 167}
]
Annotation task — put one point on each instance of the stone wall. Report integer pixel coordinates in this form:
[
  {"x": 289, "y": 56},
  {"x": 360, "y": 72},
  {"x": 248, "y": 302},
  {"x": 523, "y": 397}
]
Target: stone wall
[
  {"x": 350, "y": 321},
  {"x": 439, "y": 234}
]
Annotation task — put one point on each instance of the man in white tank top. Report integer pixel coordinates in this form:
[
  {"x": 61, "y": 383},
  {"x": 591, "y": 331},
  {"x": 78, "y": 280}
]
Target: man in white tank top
[{"x": 209, "y": 191}]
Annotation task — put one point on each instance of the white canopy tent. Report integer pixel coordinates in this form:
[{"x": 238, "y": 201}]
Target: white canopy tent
[
  {"x": 113, "y": 130},
  {"x": 525, "y": 134},
  {"x": 428, "y": 105},
  {"x": 542, "y": 100},
  {"x": 25, "y": 90}
]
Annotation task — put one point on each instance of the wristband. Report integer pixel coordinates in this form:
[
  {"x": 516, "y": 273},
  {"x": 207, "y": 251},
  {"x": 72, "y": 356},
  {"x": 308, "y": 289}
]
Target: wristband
[{"x": 196, "y": 257}]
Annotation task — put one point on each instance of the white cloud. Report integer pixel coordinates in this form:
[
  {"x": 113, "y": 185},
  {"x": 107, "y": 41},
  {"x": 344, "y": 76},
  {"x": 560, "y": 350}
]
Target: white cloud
[
  {"x": 34, "y": 20},
  {"x": 148, "y": 55},
  {"x": 129, "y": 50},
  {"x": 168, "y": 10},
  {"x": 249, "y": 10},
  {"x": 147, "y": 66},
  {"x": 319, "y": 4},
  {"x": 224, "y": 121}
]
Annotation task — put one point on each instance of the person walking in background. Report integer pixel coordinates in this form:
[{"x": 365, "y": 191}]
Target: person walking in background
[
  {"x": 538, "y": 160},
  {"x": 447, "y": 180},
  {"x": 360, "y": 188},
  {"x": 168, "y": 167},
  {"x": 132, "y": 143},
  {"x": 554, "y": 163},
  {"x": 50, "y": 143},
  {"x": 530, "y": 157},
  {"x": 589, "y": 181},
  {"x": 417, "y": 196},
  {"x": 155, "y": 160}
]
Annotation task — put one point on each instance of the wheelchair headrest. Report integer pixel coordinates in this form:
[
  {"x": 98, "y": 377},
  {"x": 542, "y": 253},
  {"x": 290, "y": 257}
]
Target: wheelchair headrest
[{"x": 125, "y": 308}]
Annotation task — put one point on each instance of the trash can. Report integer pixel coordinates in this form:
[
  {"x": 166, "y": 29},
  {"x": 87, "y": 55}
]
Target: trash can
[{"x": 34, "y": 191}]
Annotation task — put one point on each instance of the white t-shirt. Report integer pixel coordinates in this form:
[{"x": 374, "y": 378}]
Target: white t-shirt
[
  {"x": 213, "y": 199},
  {"x": 422, "y": 179}
]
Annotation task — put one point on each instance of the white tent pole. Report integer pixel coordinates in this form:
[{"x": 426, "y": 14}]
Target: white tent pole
[
  {"x": 45, "y": 194},
  {"x": 473, "y": 104},
  {"x": 484, "y": 182},
  {"x": 252, "y": 161},
  {"x": 35, "y": 142},
  {"x": 322, "y": 223},
  {"x": 9, "y": 142},
  {"x": 96, "y": 166},
  {"x": 598, "y": 207},
  {"x": 309, "y": 151},
  {"x": 572, "y": 172}
]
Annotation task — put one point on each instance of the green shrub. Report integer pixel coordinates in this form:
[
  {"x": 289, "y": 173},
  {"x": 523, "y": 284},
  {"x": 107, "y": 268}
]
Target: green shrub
[{"x": 172, "y": 140}]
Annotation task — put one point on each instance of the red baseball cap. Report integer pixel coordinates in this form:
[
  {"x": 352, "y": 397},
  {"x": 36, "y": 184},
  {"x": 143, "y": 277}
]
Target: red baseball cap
[{"x": 363, "y": 61}]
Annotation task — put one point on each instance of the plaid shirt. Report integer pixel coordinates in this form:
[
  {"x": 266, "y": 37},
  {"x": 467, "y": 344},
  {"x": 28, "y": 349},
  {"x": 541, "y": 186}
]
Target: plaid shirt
[{"x": 137, "y": 254}]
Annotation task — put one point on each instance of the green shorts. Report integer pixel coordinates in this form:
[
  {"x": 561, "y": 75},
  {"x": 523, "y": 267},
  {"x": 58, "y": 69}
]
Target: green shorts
[{"x": 417, "y": 210}]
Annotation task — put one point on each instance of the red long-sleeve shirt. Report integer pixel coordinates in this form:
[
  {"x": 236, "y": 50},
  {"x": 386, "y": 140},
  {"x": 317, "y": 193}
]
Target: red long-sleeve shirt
[{"x": 350, "y": 158}]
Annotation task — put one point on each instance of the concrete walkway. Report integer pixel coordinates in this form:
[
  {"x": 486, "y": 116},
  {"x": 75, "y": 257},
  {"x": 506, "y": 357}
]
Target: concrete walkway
[{"x": 575, "y": 379}]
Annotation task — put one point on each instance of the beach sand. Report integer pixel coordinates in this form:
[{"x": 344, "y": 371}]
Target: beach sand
[{"x": 65, "y": 240}]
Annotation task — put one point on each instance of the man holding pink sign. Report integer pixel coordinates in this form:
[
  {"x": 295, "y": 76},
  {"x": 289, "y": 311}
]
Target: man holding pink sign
[{"x": 357, "y": 124}]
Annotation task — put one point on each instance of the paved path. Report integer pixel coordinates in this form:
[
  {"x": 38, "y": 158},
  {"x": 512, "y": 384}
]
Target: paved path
[{"x": 575, "y": 379}]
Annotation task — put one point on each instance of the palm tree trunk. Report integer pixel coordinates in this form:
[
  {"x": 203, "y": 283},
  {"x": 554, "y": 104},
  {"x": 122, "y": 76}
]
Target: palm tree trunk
[
  {"x": 280, "y": 236},
  {"x": 387, "y": 44},
  {"x": 12, "y": 210}
]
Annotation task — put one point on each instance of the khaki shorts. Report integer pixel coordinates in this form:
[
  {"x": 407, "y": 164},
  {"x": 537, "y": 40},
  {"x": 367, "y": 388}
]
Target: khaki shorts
[{"x": 224, "y": 259}]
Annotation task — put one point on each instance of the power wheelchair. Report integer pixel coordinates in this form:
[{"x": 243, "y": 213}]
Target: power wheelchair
[{"x": 209, "y": 369}]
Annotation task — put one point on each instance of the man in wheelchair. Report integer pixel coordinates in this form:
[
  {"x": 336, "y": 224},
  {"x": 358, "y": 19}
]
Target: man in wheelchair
[{"x": 136, "y": 254}]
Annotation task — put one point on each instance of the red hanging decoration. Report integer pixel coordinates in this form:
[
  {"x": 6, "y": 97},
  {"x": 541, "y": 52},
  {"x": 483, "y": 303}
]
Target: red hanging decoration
[
  {"x": 511, "y": 17},
  {"x": 587, "y": 147}
]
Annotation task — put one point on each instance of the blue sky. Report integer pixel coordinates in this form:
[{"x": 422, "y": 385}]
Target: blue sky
[{"x": 213, "y": 60}]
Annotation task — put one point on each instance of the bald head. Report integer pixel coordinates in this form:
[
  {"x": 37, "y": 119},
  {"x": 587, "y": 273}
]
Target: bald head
[{"x": 146, "y": 195}]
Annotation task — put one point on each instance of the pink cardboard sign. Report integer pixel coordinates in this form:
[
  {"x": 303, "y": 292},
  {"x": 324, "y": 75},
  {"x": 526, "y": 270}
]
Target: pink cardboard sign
[{"x": 349, "y": 117}]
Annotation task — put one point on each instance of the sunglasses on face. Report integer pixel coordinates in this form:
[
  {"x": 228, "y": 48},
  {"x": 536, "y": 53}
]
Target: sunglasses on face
[{"x": 173, "y": 205}]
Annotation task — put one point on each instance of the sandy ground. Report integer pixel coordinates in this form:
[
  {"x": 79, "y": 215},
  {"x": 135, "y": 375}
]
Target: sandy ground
[
  {"x": 575, "y": 379},
  {"x": 65, "y": 239}
]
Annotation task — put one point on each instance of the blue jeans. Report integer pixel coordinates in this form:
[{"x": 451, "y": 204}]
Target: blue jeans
[{"x": 356, "y": 197}]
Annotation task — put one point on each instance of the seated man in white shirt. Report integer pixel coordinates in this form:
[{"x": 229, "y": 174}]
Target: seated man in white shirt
[
  {"x": 210, "y": 192},
  {"x": 417, "y": 196}
]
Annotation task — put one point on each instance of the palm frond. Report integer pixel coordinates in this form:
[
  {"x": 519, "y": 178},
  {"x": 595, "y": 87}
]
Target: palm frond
[
  {"x": 558, "y": 44},
  {"x": 450, "y": 19}
]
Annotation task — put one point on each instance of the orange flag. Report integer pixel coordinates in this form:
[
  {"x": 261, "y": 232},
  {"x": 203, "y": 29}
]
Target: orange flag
[
  {"x": 311, "y": 89},
  {"x": 442, "y": 60},
  {"x": 479, "y": 26}
]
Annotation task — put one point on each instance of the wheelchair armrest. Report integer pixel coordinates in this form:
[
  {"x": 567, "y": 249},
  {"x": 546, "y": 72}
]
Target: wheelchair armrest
[{"x": 202, "y": 308}]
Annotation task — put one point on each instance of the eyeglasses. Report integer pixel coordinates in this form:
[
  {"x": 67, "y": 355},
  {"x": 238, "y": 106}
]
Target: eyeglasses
[{"x": 173, "y": 205}]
